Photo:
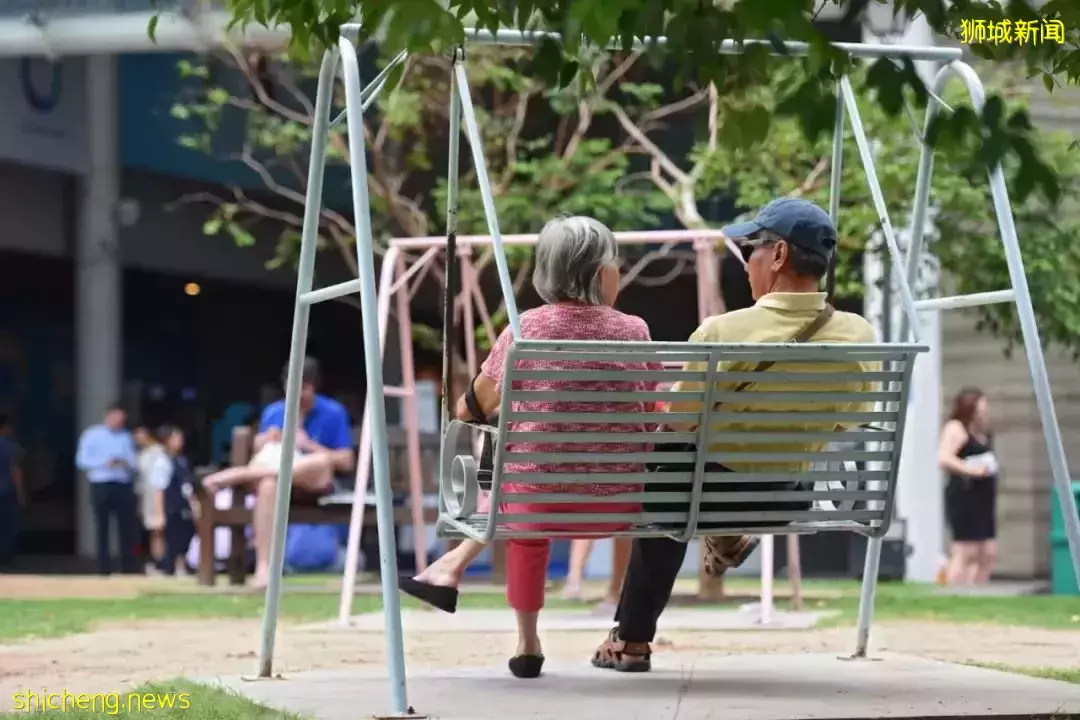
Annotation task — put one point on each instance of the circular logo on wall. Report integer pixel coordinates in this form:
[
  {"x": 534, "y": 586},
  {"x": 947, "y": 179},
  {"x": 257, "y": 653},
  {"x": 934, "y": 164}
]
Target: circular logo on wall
[{"x": 41, "y": 81}]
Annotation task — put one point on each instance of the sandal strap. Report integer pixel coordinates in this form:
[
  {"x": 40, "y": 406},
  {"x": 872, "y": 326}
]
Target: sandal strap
[{"x": 615, "y": 648}]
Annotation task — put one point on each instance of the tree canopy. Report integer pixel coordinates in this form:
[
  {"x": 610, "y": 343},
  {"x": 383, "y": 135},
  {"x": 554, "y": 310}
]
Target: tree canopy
[
  {"x": 630, "y": 150},
  {"x": 695, "y": 32}
]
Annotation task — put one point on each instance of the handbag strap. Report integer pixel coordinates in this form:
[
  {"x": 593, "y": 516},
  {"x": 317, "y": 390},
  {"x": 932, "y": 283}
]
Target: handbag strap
[{"x": 804, "y": 335}]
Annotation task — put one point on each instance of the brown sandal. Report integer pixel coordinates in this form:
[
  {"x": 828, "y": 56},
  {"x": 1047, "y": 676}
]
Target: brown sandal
[
  {"x": 723, "y": 552},
  {"x": 622, "y": 656}
]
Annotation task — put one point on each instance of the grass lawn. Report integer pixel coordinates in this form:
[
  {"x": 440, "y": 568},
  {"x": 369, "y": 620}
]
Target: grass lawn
[
  {"x": 912, "y": 601},
  {"x": 1069, "y": 675},
  {"x": 202, "y": 703},
  {"x": 24, "y": 619}
]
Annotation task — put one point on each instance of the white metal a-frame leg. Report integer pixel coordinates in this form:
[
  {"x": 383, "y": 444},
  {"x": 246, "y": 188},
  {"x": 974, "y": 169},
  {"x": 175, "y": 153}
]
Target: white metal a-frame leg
[
  {"x": 345, "y": 55},
  {"x": 356, "y": 100},
  {"x": 1018, "y": 294}
]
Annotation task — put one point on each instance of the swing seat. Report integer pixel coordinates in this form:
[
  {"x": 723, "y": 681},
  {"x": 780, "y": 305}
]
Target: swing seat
[{"x": 686, "y": 489}]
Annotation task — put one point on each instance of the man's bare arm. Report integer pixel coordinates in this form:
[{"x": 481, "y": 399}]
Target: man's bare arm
[
  {"x": 342, "y": 460},
  {"x": 271, "y": 435},
  {"x": 20, "y": 486}
]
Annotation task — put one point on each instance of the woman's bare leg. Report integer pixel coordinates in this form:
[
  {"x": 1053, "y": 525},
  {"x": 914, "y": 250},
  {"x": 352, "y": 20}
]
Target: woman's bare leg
[
  {"x": 528, "y": 637},
  {"x": 986, "y": 559},
  {"x": 230, "y": 477},
  {"x": 448, "y": 570},
  {"x": 963, "y": 565},
  {"x": 579, "y": 555},
  {"x": 313, "y": 474},
  {"x": 262, "y": 523}
]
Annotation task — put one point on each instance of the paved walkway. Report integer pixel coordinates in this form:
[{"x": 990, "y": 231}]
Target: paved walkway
[
  {"x": 470, "y": 621},
  {"x": 683, "y": 687}
]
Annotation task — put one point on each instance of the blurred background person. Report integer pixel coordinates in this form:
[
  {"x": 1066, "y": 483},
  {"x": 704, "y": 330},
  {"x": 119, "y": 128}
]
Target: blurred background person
[
  {"x": 13, "y": 495},
  {"x": 106, "y": 455},
  {"x": 150, "y": 500},
  {"x": 579, "y": 556},
  {"x": 966, "y": 453},
  {"x": 171, "y": 479}
]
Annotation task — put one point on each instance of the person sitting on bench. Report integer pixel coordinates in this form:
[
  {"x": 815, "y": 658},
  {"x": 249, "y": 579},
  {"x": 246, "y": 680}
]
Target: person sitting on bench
[
  {"x": 325, "y": 447},
  {"x": 577, "y": 275},
  {"x": 787, "y": 249}
]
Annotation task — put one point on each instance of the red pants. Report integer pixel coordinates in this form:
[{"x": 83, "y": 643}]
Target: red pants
[{"x": 527, "y": 559}]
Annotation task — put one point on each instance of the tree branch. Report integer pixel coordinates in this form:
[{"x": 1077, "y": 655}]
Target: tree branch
[
  {"x": 649, "y": 146},
  {"x": 288, "y": 193},
  {"x": 810, "y": 183},
  {"x": 677, "y": 269},
  {"x": 260, "y": 89},
  {"x": 678, "y": 106},
  {"x": 512, "y": 137},
  {"x": 587, "y": 107}
]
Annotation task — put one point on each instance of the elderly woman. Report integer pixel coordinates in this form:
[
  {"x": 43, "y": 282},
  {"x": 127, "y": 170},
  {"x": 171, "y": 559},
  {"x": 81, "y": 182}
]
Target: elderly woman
[{"x": 577, "y": 275}]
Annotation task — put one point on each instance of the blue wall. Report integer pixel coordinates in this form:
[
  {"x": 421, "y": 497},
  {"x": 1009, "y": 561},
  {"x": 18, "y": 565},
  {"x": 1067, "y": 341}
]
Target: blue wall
[{"x": 150, "y": 84}]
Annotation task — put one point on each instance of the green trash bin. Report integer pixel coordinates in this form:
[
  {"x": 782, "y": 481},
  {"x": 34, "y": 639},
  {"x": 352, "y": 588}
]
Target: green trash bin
[{"x": 1062, "y": 577}]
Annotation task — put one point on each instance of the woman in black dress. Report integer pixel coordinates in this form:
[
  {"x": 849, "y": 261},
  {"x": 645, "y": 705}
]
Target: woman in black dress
[{"x": 966, "y": 453}]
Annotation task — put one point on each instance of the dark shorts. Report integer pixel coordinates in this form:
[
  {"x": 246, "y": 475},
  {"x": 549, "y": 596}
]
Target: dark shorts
[{"x": 972, "y": 514}]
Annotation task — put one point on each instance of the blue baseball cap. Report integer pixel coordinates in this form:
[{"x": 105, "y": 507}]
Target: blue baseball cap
[{"x": 800, "y": 222}]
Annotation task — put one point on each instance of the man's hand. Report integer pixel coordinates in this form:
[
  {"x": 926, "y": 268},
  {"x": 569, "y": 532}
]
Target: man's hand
[
  {"x": 305, "y": 443},
  {"x": 273, "y": 435}
]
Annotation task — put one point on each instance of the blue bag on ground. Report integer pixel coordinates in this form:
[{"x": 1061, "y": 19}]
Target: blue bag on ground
[{"x": 311, "y": 547}]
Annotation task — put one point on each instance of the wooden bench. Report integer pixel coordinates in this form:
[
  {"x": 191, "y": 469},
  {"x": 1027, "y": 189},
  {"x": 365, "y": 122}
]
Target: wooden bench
[{"x": 332, "y": 509}]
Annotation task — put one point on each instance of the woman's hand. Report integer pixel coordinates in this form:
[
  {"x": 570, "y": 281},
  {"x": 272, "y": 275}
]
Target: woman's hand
[{"x": 976, "y": 470}]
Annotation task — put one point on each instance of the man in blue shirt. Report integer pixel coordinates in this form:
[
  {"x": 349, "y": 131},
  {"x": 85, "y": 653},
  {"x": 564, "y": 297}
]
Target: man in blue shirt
[
  {"x": 325, "y": 446},
  {"x": 106, "y": 455},
  {"x": 12, "y": 491}
]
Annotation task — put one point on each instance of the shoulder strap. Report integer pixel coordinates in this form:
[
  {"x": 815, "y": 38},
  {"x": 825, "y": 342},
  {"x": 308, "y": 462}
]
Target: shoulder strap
[
  {"x": 806, "y": 334},
  {"x": 472, "y": 403}
]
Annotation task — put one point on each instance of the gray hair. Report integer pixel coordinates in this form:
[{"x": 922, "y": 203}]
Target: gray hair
[
  {"x": 569, "y": 254},
  {"x": 802, "y": 262}
]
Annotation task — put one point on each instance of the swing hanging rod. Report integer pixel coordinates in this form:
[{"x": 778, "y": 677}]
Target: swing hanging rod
[{"x": 527, "y": 38}]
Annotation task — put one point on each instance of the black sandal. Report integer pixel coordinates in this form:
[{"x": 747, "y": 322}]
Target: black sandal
[
  {"x": 437, "y": 596},
  {"x": 526, "y": 666}
]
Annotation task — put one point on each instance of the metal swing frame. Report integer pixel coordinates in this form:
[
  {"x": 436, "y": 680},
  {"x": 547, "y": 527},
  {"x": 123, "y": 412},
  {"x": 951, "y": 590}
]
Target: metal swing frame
[{"x": 358, "y": 97}]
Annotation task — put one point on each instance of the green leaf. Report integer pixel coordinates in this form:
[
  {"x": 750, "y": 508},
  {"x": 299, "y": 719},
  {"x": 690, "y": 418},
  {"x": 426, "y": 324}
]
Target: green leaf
[
  {"x": 240, "y": 235},
  {"x": 151, "y": 28},
  {"x": 212, "y": 226}
]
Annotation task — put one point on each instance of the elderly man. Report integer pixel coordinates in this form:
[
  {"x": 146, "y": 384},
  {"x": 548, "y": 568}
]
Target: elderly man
[{"x": 787, "y": 249}]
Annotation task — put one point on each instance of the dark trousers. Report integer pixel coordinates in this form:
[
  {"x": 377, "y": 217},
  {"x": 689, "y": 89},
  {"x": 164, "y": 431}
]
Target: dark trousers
[
  {"x": 650, "y": 578},
  {"x": 655, "y": 562},
  {"x": 114, "y": 500},
  {"x": 9, "y": 526},
  {"x": 178, "y": 533}
]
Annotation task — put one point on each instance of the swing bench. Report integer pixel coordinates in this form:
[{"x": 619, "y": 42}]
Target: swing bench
[
  {"x": 849, "y": 487},
  {"x": 847, "y": 484}
]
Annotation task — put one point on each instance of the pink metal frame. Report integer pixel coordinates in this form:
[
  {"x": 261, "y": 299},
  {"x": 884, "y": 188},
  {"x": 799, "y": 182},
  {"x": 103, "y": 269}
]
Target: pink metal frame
[{"x": 401, "y": 274}]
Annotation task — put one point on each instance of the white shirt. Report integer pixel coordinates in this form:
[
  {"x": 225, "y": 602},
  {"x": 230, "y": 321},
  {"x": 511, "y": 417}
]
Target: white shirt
[{"x": 153, "y": 462}]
